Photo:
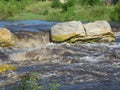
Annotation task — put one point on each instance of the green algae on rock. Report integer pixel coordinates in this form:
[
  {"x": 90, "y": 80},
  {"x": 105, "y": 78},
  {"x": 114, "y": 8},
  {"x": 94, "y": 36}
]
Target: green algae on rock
[{"x": 6, "y": 67}]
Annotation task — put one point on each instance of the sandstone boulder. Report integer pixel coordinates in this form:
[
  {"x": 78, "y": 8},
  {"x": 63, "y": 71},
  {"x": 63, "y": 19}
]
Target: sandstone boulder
[
  {"x": 6, "y": 38},
  {"x": 75, "y": 31},
  {"x": 99, "y": 29},
  {"x": 67, "y": 30}
]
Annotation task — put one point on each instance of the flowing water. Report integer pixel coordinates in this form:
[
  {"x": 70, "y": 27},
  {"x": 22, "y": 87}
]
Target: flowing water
[{"x": 74, "y": 66}]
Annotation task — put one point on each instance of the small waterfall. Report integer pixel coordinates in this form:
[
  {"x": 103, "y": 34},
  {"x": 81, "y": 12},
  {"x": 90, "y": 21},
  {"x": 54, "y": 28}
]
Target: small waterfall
[{"x": 31, "y": 39}]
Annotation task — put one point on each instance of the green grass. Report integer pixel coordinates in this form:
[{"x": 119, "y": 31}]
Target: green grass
[
  {"x": 27, "y": 16},
  {"x": 88, "y": 13},
  {"x": 38, "y": 10},
  {"x": 82, "y": 13}
]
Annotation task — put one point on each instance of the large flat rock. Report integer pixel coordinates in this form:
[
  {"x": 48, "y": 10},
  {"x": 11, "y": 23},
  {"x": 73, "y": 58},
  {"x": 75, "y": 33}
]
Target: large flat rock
[{"x": 67, "y": 30}]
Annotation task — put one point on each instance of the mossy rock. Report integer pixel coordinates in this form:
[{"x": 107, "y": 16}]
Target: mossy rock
[
  {"x": 62, "y": 38},
  {"x": 7, "y": 38},
  {"x": 6, "y": 67},
  {"x": 84, "y": 39}
]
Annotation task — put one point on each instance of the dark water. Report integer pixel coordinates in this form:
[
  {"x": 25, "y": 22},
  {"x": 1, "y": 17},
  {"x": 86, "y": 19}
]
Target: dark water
[
  {"x": 27, "y": 25},
  {"x": 74, "y": 66},
  {"x": 33, "y": 25}
]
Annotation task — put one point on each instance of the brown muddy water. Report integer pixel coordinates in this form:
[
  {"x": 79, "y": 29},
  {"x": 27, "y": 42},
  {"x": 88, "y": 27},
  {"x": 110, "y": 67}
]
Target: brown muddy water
[{"x": 87, "y": 66}]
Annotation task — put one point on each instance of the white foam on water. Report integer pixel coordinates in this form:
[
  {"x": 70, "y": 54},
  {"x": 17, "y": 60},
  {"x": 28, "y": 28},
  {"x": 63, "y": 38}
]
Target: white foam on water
[{"x": 91, "y": 59}]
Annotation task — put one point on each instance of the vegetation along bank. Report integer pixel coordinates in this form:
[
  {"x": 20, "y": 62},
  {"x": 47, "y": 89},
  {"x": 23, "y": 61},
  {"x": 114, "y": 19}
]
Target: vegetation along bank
[{"x": 54, "y": 10}]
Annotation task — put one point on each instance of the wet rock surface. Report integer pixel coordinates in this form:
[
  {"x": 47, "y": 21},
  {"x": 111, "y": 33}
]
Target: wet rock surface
[{"x": 74, "y": 66}]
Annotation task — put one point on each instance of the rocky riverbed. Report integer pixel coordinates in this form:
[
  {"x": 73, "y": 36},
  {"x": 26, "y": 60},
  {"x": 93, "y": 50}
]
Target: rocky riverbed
[
  {"x": 94, "y": 66},
  {"x": 74, "y": 66}
]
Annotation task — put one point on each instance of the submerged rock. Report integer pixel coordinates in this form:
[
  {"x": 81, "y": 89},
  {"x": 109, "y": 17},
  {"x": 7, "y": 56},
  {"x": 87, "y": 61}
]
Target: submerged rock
[
  {"x": 6, "y": 67},
  {"x": 6, "y": 38},
  {"x": 74, "y": 31}
]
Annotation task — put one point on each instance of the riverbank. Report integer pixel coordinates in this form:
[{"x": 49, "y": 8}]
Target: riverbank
[{"x": 38, "y": 10}]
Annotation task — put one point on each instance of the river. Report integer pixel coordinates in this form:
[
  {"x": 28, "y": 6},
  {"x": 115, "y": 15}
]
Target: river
[{"x": 74, "y": 66}]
